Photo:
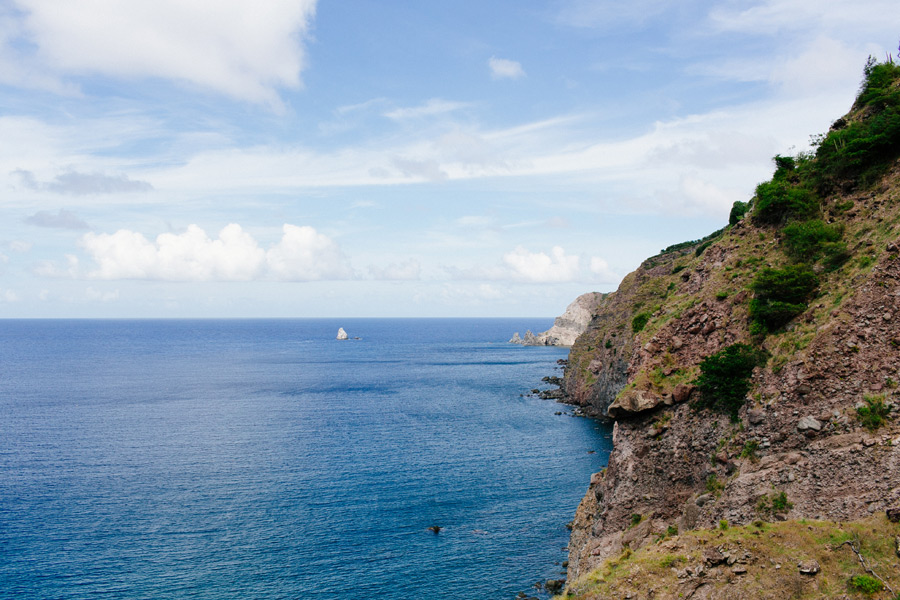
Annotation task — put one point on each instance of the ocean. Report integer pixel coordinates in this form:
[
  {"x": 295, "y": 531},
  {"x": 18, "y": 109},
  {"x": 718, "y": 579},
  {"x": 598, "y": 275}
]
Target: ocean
[{"x": 265, "y": 459}]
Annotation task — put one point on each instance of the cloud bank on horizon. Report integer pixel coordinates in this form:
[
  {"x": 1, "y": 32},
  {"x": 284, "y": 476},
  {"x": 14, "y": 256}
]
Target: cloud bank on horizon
[{"x": 384, "y": 159}]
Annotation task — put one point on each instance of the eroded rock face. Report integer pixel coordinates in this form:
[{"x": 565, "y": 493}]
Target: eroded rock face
[
  {"x": 567, "y": 327},
  {"x": 632, "y": 402},
  {"x": 798, "y": 431}
]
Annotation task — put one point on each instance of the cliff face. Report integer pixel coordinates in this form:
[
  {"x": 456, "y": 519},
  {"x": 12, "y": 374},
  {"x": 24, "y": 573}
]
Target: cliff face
[
  {"x": 801, "y": 443},
  {"x": 566, "y": 327}
]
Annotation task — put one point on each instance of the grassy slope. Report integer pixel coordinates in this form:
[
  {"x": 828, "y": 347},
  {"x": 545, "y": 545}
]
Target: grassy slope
[{"x": 769, "y": 553}]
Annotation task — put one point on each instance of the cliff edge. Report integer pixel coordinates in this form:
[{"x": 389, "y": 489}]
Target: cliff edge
[
  {"x": 752, "y": 378},
  {"x": 566, "y": 327}
]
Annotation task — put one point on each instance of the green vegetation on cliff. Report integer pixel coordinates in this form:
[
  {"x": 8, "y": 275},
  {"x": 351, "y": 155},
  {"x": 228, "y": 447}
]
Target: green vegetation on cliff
[
  {"x": 725, "y": 378},
  {"x": 785, "y": 321}
]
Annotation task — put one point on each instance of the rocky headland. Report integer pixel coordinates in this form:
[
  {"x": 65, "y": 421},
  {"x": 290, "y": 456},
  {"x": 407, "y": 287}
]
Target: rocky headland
[
  {"x": 566, "y": 327},
  {"x": 752, "y": 381}
]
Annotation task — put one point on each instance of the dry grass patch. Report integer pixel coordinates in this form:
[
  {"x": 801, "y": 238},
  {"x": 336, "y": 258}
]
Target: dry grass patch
[{"x": 761, "y": 560}]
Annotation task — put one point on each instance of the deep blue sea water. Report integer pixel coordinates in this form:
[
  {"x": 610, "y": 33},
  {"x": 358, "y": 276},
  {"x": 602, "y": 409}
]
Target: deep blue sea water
[{"x": 265, "y": 459}]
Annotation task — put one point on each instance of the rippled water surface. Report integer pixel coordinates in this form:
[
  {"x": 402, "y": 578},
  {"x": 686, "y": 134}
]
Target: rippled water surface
[{"x": 265, "y": 459}]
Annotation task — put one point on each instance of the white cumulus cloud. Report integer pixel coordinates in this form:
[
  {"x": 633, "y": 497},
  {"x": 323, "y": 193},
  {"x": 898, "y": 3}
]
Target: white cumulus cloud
[
  {"x": 188, "y": 256},
  {"x": 600, "y": 268},
  {"x": 503, "y": 68},
  {"x": 242, "y": 49},
  {"x": 302, "y": 254},
  {"x": 539, "y": 267}
]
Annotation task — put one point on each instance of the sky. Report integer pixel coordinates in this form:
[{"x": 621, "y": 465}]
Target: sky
[{"x": 363, "y": 158}]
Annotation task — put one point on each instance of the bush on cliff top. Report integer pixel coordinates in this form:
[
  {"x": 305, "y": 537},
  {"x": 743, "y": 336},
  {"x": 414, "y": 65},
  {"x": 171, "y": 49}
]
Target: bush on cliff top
[
  {"x": 725, "y": 378},
  {"x": 860, "y": 151},
  {"x": 738, "y": 210},
  {"x": 782, "y": 199}
]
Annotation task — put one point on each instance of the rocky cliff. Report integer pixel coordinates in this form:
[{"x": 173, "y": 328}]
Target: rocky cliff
[
  {"x": 566, "y": 327},
  {"x": 752, "y": 376}
]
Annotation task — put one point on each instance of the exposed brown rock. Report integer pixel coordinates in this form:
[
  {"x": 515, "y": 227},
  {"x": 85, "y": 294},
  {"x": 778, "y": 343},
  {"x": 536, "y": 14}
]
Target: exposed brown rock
[
  {"x": 800, "y": 431},
  {"x": 631, "y": 402}
]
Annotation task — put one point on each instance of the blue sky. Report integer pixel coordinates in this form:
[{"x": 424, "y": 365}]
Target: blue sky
[{"x": 189, "y": 158}]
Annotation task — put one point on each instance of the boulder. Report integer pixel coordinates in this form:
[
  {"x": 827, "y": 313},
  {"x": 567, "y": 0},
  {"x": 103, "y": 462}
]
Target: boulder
[
  {"x": 341, "y": 334},
  {"x": 809, "y": 424},
  {"x": 682, "y": 392},
  {"x": 554, "y": 586},
  {"x": 712, "y": 557},
  {"x": 631, "y": 402},
  {"x": 809, "y": 567},
  {"x": 756, "y": 416}
]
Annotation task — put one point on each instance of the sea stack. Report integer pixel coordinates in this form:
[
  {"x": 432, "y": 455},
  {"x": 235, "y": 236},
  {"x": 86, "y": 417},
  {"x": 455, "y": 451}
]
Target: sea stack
[{"x": 342, "y": 335}]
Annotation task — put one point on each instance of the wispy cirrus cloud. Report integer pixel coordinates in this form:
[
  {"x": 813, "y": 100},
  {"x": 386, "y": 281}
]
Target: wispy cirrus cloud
[
  {"x": 63, "y": 219},
  {"x": 432, "y": 108},
  {"x": 774, "y": 17},
  {"x": 77, "y": 184},
  {"x": 609, "y": 13}
]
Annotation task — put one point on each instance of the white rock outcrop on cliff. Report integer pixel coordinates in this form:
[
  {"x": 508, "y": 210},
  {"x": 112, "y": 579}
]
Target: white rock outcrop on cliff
[{"x": 567, "y": 327}]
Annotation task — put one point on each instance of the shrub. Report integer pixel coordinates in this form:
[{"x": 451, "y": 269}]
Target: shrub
[
  {"x": 738, "y": 210},
  {"x": 749, "y": 450},
  {"x": 808, "y": 241},
  {"x": 685, "y": 245},
  {"x": 670, "y": 560},
  {"x": 636, "y": 518},
  {"x": 781, "y": 294},
  {"x": 723, "y": 524},
  {"x": 866, "y": 584},
  {"x": 725, "y": 378},
  {"x": 639, "y": 321},
  {"x": 873, "y": 414},
  {"x": 714, "y": 486},
  {"x": 774, "y": 504},
  {"x": 862, "y": 150},
  {"x": 702, "y": 247},
  {"x": 780, "y": 503},
  {"x": 779, "y": 200},
  {"x": 784, "y": 164},
  {"x": 772, "y": 314}
]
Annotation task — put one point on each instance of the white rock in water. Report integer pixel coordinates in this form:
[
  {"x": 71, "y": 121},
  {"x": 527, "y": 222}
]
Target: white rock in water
[{"x": 342, "y": 335}]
